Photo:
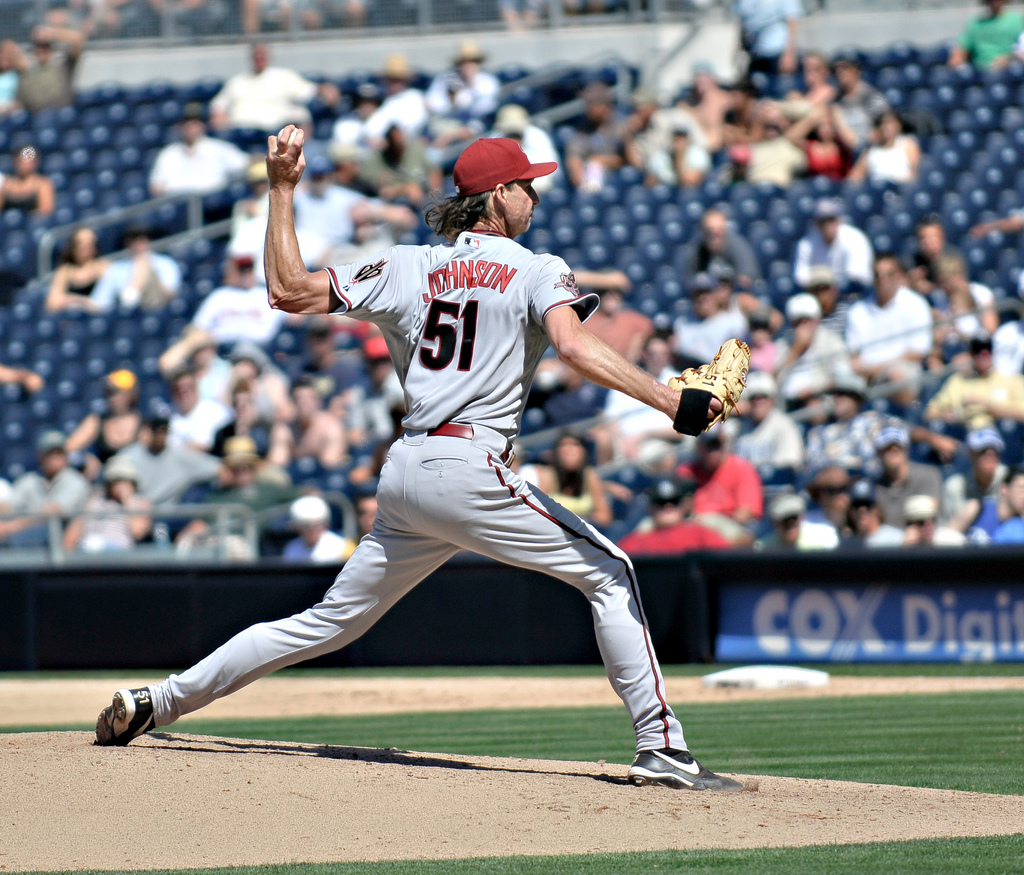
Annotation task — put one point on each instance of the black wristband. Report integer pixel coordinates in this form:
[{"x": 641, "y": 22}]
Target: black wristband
[{"x": 692, "y": 415}]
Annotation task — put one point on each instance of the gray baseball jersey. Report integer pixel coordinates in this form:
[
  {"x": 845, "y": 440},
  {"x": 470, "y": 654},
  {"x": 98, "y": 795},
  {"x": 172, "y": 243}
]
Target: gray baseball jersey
[{"x": 465, "y": 326}]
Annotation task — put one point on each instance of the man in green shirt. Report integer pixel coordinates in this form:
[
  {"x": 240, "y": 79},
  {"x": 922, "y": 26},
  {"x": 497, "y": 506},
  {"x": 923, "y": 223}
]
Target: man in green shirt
[{"x": 987, "y": 41}]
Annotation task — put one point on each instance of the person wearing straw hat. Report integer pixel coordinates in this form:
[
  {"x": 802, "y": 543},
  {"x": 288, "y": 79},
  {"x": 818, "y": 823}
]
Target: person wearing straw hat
[
  {"x": 403, "y": 105},
  {"x": 460, "y": 99}
]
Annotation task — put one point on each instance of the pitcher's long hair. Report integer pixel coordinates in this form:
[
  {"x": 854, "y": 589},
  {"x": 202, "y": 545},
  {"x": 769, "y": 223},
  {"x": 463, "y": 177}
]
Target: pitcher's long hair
[{"x": 451, "y": 216}]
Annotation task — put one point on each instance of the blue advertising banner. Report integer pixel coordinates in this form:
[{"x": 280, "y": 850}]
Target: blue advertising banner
[{"x": 877, "y": 623}]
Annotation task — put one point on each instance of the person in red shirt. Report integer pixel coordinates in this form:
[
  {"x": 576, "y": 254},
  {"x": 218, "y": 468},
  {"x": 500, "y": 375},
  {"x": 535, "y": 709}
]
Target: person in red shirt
[
  {"x": 621, "y": 327},
  {"x": 669, "y": 527},
  {"x": 729, "y": 494}
]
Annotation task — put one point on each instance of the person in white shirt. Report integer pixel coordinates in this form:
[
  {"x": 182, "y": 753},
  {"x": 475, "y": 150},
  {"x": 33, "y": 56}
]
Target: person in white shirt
[
  {"x": 197, "y": 163},
  {"x": 770, "y": 436},
  {"x": 311, "y": 517},
  {"x": 461, "y": 98},
  {"x": 835, "y": 244},
  {"x": 239, "y": 309},
  {"x": 265, "y": 99},
  {"x": 350, "y": 129},
  {"x": 195, "y": 420},
  {"x": 403, "y": 105},
  {"x": 813, "y": 356},
  {"x": 145, "y": 279},
  {"x": 513, "y": 121},
  {"x": 890, "y": 334}
]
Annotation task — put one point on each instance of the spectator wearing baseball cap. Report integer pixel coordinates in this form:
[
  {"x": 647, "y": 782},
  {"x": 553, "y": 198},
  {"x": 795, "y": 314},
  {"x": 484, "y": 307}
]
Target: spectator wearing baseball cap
[
  {"x": 865, "y": 520},
  {"x": 812, "y": 356},
  {"x": 901, "y": 478},
  {"x": 115, "y": 518},
  {"x": 769, "y": 437},
  {"x": 513, "y": 121},
  {"x": 792, "y": 530},
  {"x": 310, "y": 517},
  {"x": 669, "y": 526},
  {"x": 821, "y": 282},
  {"x": 103, "y": 433},
  {"x": 836, "y": 244},
  {"x": 921, "y": 524},
  {"x": 599, "y": 146},
  {"x": 981, "y": 396},
  {"x": 861, "y": 104},
  {"x": 716, "y": 314},
  {"x": 55, "y": 488},
  {"x": 964, "y": 492}
]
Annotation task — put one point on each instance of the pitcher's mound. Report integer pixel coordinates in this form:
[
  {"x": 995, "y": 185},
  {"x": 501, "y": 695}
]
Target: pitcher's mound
[{"x": 173, "y": 800}]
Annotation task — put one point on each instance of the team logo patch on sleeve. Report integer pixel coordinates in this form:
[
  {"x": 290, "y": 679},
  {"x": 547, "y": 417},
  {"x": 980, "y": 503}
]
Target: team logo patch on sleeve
[
  {"x": 369, "y": 271},
  {"x": 567, "y": 281}
]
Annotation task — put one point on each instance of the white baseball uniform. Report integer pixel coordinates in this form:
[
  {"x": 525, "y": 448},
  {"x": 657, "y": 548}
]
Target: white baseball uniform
[{"x": 465, "y": 327}]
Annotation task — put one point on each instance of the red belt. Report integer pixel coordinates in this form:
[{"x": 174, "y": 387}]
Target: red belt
[
  {"x": 455, "y": 430},
  {"x": 452, "y": 429}
]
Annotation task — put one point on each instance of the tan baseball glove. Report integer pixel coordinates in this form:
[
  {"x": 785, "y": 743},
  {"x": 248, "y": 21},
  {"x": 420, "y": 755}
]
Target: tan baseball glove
[{"x": 724, "y": 378}]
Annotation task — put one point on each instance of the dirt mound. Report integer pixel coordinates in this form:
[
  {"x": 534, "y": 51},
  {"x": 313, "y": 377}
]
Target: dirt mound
[{"x": 173, "y": 800}]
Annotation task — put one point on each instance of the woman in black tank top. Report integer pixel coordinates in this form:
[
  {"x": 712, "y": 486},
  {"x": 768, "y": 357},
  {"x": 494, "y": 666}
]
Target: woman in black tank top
[
  {"x": 79, "y": 271},
  {"x": 27, "y": 189}
]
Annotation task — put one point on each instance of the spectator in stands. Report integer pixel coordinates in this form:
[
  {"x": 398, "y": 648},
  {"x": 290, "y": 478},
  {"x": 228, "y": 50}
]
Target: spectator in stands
[
  {"x": 864, "y": 518},
  {"x": 248, "y": 420},
  {"x": 513, "y": 121},
  {"x": 828, "y": 492},
  {"x": 167, "y": 471},
  {"x": 980, "y": 397},
  {"x": 709, "y": 103},
  {"x": 238, "y": 310},
  {"x": 599, "y": 146},
  {"x": 311, "y": 517},
  {"x": 826, "y": 141},
  {"x": 462, "y": 100},
  {"x": 718, "y": 245},
  {"x": 835, "y": 306},
  {"x": 401, "y": 169},
  {"x": 769, "y": 157},
  {"x": 313, "y": 433},
  {"x": 570, "y": 479},
  {"x": 145, "y": 279},
  {"x": 257, "y": 204},
  {"x": 849, "y": 439},
  {"x": 792, "y": 530},
  {"x": 768, "y": 34},
  {"x": 987, "y": 41},
  {"x": 11, "y": 59},
  {"x": 901, "y": 478},
  {"x": 195, "y": 420},
  {"x": 818, "y": 90},
  {"x": 249, "y": 481},
  {"x": 729, "y": 496},
  {"x": 932, "y": 247},
  {"x": 741, "y": 124},
  {"x": 368, "y": 417},
  {"x": 1010, "y": 224},
  {"x": 666, "y": 143},
  {"x": 197, "y": 350},
  {"x": 197, "y": 164},
  {"x": 335, "y": 376},
  {"x": 49, "y": 82},
  {"x": 769, "y": 437},
  {"x": 892, "y": 156},
  {"x": 109, "y": 526},
  {"x": 350, "y": 129},
  {"x": 834, "y": 243},
  {"x": 105, "y": 432},
  {"x": 403, "y": 105},
  {"x": 29, "y": 380},
  {"x": 718, "y": 312},
  {"x": 964, "y": 492},
  {"x": 763, "y": 341},
  {"x": 890, "y": 333},
  {"x": 80, "y": 269},
  {"x": 631, "y": 429},
  {"x": 251, "y": 364},
  {"x": 617, "y": 324},
  {"x": 1010, "y": 528},
  {"x": 267, "y": 98},
  {"x": 27, "y": 190},
  {"x": 55, "y": 488},
  {"x": 861, "y": 104},
  {"x": 813, "y": 357},
  {"x": 921, "y": 526},
  {"x": 669, "y": 526},
  {"x": 961, "y": 310}
]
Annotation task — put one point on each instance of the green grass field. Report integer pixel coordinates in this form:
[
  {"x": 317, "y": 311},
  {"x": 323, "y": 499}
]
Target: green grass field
[{"x": 964, "y": 741}]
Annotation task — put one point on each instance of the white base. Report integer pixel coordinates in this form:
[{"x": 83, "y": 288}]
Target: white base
[{"x": 766, "y": 677}]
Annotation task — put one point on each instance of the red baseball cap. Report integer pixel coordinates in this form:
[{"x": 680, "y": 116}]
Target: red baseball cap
[{"x": 494, "y": 161}]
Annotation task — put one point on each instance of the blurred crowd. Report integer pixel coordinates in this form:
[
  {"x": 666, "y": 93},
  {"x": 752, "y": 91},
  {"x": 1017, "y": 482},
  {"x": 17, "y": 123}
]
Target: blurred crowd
[{"x": 885, "y": 403}]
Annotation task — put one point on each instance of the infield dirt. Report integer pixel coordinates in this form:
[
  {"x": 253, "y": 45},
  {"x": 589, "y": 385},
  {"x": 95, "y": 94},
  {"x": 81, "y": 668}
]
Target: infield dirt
[{"x": 175, "y": 800}]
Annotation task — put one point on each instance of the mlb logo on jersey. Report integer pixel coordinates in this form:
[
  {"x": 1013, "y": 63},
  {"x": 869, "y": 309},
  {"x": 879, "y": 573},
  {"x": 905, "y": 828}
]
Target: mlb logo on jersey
[{"x": 472, "y": 242}]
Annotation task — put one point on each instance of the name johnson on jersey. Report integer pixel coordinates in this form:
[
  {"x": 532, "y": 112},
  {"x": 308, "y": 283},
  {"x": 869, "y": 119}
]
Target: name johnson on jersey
[{"x": 469, "y": 275}]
